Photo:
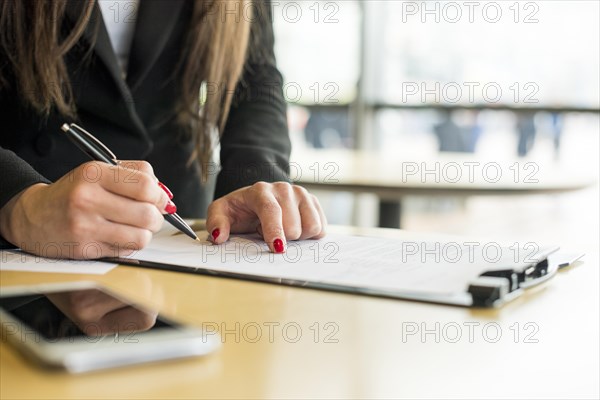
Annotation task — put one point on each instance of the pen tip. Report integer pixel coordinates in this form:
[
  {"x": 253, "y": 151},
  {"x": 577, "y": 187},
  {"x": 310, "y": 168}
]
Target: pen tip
[
  {"x": 65, "y": 127},
  {"x": 198, "y": 240}
]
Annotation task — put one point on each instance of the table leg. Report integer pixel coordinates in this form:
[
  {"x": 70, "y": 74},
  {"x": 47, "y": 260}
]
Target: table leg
[{"x": 389, "y": 214}]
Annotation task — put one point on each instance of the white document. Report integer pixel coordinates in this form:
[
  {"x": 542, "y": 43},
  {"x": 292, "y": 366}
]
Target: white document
[
  {"x": 378, "y": 264},
  {"x": 15, "y": 260}
]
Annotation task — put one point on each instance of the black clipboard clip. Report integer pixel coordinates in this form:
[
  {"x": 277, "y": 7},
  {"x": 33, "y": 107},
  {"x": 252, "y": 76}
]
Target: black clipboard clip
[{"x": 496, "y": 287}]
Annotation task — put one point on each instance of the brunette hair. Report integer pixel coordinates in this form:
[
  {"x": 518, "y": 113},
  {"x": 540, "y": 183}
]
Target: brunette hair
[{"x": 215, "y": 51}]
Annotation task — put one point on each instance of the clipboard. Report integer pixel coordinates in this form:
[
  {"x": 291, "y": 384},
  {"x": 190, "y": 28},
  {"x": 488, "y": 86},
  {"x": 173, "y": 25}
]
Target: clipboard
[{"x": 491, "y": 285}]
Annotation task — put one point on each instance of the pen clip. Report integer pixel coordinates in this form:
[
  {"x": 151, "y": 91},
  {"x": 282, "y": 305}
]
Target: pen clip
[{"x": 94, "y": 141}]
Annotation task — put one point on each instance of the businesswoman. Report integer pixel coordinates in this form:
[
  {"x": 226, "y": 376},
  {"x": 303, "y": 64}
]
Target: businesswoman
[{"x": 162, "y": 83}]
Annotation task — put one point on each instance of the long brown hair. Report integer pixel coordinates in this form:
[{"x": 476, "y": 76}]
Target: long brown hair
[{"x": 215, "y": 52}]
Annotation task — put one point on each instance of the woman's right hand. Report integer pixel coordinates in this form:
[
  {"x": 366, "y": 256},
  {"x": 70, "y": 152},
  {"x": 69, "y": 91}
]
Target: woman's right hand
[{"x": 96, "y": 210}]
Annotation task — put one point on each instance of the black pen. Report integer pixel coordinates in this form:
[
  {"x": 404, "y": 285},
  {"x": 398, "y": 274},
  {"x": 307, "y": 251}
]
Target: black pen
[{"x": 99, "y": 152}]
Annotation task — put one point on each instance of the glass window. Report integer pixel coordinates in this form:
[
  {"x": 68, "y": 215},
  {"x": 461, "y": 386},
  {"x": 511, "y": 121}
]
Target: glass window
[
  {"x": 517, "y": 53},
  {"x": 317, "y": 47}
]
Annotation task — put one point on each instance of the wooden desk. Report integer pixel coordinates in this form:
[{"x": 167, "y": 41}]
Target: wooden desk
[
  {"x": 544, "y": 344},
  {"x": 392, "y": 177}
]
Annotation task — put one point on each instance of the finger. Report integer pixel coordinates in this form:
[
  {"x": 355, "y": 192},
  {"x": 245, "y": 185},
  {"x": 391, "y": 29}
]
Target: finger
[
  {"x": 264, "y": 204},
  {"x": 135, "y": 185},
  {"x": 123, "y": 239},
  {"x": 123, "y": 210},
  {"x": 311, "y": 220},
  {"x": 322, "y": 216},
  {"x": 291, "y": 219},
  {"x": 145, "y": 166},
  {"x": 138, "y": 165},
  {"x": 218, "y": 221}
]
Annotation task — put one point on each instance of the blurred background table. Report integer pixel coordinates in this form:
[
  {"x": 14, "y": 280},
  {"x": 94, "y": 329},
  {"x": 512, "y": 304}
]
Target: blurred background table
[{"x": 392, "y": 178}]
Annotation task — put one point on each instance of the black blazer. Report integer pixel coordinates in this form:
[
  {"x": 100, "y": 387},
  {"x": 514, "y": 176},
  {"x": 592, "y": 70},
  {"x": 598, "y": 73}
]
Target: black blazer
[{"x": 134, "y": 116}]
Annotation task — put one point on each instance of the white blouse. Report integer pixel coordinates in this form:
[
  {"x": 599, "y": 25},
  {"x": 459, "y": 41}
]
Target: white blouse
[{"x": 120, "y": 17}]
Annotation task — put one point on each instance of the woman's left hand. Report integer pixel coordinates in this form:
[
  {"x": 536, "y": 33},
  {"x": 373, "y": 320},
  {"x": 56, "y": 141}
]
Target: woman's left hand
[{"x": 277, "y": 211}]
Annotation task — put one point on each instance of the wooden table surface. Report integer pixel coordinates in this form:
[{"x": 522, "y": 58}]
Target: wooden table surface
[{"x": 330, "y": 345}]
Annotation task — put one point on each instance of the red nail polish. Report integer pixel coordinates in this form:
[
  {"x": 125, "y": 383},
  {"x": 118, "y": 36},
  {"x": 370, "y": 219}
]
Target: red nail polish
[
  {"x": 215, "y": 234},
  {"x": 171, "y": 208},
  {"x": 166, "y": 189},
  {"x": 278, "y": 245}
]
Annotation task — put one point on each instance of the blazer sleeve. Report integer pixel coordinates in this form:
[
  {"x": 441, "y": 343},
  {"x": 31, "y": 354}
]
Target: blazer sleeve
[
  {"x": 17, "y": 175},
  {"x": 255, "y": 144}
]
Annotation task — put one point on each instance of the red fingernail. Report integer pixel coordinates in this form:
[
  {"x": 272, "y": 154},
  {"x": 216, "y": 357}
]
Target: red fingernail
[
  {"x": 166, "y": 189},
  {"x": 171, "y": 208},
  {"x": 278, "y": 245},
  {"x": 215, "y": 234}
]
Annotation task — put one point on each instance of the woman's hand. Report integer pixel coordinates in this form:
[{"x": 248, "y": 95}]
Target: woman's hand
[
  {"x": 278, "y": 211},
  {"x": 96, "y": 210}
]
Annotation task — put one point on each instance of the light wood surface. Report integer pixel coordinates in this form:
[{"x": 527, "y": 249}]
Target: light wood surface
[
  {"x": 364, "y": 357},
  {"x": 391, "y": 176}
]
